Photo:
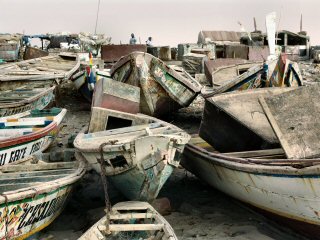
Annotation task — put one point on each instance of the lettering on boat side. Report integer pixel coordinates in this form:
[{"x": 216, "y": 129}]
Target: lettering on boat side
[
  {"x": 35, "y": 213},
  {"x": 16, "y": 153},
  {"x": 21, "y": 217}
]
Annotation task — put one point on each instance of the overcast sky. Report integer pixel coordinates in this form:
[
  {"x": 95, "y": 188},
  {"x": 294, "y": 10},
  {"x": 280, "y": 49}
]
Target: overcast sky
[{"x": 167, "y": 21}]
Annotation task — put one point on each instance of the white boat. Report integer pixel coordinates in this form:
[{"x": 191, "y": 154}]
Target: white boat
[
  {"x": 33, "y": 193},
  {"x": 131, "y": 220},
  {"x": 265, "y": 179},
  {"x": 26, "y": 136},
  {"x": 140, "y": 152}
]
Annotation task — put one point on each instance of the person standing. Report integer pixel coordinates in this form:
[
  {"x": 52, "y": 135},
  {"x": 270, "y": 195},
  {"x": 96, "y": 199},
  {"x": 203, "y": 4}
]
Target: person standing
[
  {"x": 133, "y": 40},
  {"x": 149, "y": 41}
]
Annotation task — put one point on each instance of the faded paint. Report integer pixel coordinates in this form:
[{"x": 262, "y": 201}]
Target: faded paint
[
  {"x": 288, "y": 193},
  {"x": 161, "y": 86}
]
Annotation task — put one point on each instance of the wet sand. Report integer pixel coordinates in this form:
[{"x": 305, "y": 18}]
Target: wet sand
[{"x": 198, "y": 210}]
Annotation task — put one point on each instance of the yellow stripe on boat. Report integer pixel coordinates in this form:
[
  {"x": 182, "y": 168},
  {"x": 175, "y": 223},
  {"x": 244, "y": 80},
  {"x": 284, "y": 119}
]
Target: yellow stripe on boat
[{"x": 12, "y": 120}]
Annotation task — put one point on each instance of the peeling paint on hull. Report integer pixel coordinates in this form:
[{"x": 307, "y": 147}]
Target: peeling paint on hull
[{"x": 281, "y": 190}]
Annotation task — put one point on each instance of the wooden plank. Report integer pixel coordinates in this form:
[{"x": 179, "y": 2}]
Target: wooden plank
[
  {"x": 131, "y": 216},
  {"x": 30, "y": 179},
  {"x": 135, "y": 227},
  {"x": 254, "y": 154},
  {"x": 275, "y": 127},
  {"x": 36, "y": 167},
  {"x": 294, "y": 118},
  {"x": 35, "y": 173}
]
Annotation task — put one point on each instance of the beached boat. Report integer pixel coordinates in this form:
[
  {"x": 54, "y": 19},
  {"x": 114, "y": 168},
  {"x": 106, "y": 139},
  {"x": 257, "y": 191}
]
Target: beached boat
[
  {"x": 265, "y": 179},
  {"x": 239, "y": 120},
  {"x": 23, "y": 137},
  {"x": 50, "y": 70},
  {"x": 163, "y": 89},
  {"x": 131, "y": 220},
  {"x": 140, "y": 152},
  {"x": 280, "y": 72},
  {"x": 33, "y": 194},
  {"x": 21, "y": 101}
]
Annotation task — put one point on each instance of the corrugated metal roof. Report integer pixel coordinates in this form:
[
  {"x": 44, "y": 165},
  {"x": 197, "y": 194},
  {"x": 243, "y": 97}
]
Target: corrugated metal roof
[{"x": 219, "y": 36}]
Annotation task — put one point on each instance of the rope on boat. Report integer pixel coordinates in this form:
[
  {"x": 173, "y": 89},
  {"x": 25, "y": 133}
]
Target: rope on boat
[
  {"x": 103, "y": 174},
  {"x": 6, "y": 216}
]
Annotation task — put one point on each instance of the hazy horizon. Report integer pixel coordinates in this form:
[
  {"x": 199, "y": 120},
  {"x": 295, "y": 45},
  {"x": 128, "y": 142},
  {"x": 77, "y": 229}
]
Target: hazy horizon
[{"x": 168, "y": 22}]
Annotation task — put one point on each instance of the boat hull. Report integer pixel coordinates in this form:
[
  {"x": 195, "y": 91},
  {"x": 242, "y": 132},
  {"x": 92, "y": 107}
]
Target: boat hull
[
  {"x": 139, "y": 178},
  {"x": 23, "y": 150},
  {"x": 33, "y": 194},
  {"x": 32, "y": 214},
  {"x": 21, "y": 147},
  {"x": 163, "y": 89},
  {"x": 131, "y": 220},
  {"x": 40, "y": 102},
  {"x": 282, "y": 191}
]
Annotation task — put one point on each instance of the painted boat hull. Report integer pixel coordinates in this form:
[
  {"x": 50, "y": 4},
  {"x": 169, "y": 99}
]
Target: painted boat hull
[
  {"x": 138, "y": 158},
  {"x": 17, "y": 148},
  {"x": 24, "y": 223},
  {"x": 27, "y": 210},
  {"x": 38, "y": 102},
  {"x": 285, "y": 191},
  {"x": 143, "y": 180},
  {"x": 163, "y": 89}
]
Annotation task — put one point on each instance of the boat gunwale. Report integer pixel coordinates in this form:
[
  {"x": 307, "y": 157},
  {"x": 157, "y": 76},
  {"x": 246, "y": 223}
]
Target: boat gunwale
[
  {"x": 78, "y": 143},
  {"x": 34, "y": 135},
  {"x": 167, "y": 229},
  {"x": 45, "y": 187},
  {"x": 258, "y": 166},
  {"x": 26, "y": 101},
  {"x": 52, "y": 76}
]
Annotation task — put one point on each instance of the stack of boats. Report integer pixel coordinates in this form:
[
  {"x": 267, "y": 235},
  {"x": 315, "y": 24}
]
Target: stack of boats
[
  {"x": 263, "y": 150},
  {"x": 258, "y": 145},
  {"x": 34, "y": 187}
]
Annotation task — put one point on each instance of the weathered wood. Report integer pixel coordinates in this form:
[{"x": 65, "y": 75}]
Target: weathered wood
[
  {"x": 131, "y": 144},
  {"x": 126, "y": 216},
  {"x": 163, "y": 89},
  {"x": 294, "y": 118},
  {"x": 239, "y": 121},
  {"x": 135, "y": 227},
  {"x": 36, "y": 167},
  {"x": 44, "y": 68},
  {"x": 116, "y": 95},
  {"x": 255, "y": 154}
]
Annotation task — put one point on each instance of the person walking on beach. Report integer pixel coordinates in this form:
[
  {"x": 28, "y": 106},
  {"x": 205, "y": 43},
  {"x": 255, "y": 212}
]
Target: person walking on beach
[
  {"x": 133, "y": 40},
  {"x": 149, "y": 41}
]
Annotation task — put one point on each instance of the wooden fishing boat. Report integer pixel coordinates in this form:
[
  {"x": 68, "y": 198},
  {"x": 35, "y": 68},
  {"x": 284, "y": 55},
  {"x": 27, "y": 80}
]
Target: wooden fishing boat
[
  {"x": 279, "y": 72},
  {"x": 265, "y": 179},
  {"x": 33, "y": 194},
  {"x": 140, "y": 152},
  {"x": 20, "y": 101},
  {"x": 163, "y": 89},
  {"x": 239, "y": 120},
  {"x": 23, "y": 137},
  {"x": 45, "y": 71},
  {"x": 131, "y": 220}
]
